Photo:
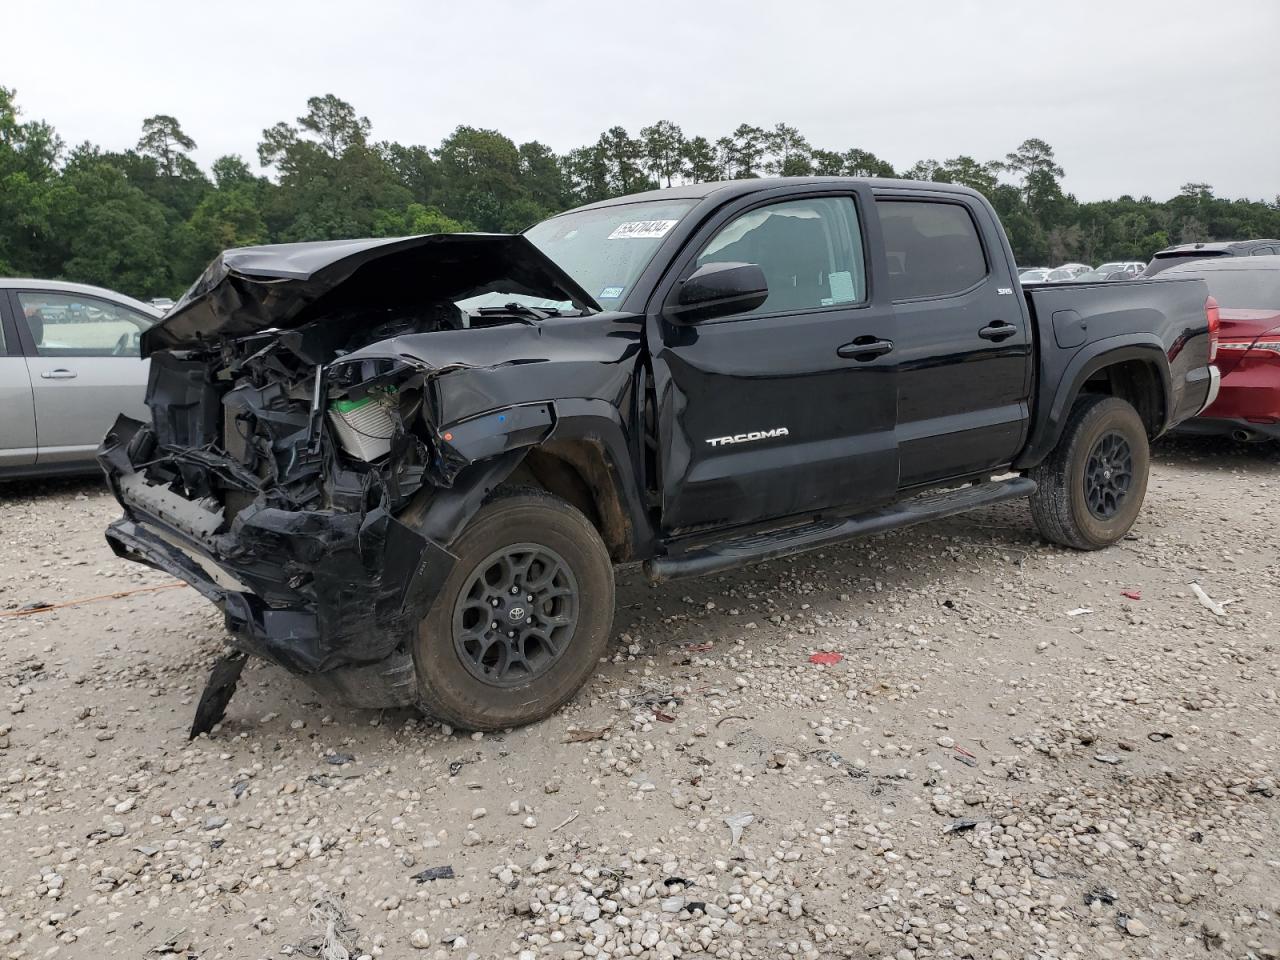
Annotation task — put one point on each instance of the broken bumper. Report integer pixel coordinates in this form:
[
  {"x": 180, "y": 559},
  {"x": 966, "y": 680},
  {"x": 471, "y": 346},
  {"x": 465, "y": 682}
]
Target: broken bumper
[{"x": 333, "y": 598}]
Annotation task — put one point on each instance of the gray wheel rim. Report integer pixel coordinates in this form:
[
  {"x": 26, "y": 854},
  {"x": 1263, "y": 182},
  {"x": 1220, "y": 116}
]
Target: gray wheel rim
[
  {"x": 1108, "y": 475},
  {"x": 516, "y": 615}
]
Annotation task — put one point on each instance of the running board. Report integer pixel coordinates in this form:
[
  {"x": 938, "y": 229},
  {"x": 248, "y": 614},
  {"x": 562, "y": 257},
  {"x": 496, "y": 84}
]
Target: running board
[{"x": 820, "y": 533}]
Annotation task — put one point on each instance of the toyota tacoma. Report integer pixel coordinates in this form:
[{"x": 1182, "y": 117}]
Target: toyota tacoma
[{"x": 406, "y": 468}]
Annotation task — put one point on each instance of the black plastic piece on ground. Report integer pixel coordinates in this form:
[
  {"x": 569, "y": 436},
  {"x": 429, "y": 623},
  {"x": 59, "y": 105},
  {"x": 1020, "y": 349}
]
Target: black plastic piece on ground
[{"x": 217, "y": 693}]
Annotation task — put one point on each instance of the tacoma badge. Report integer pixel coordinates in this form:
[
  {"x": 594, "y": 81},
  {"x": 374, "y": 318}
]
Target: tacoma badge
[{"x": 748, "y": 437}]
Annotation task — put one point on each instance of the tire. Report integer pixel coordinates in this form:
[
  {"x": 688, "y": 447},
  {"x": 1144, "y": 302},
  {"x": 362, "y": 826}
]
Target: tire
[
  {"x": 1061, "y": 505},
  {"x": 476, "y": 678}
]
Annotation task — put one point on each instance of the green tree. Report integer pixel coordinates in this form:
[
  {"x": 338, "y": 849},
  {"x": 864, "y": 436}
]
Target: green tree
[
  {"x": 542, "y": 177},
  {"x": 663, "y": 150},
  {"x": 788, "y": 152},
  {"x": 480, "y": 170},
  {"x": 1034, "y": 162},
  {"x": 231, "y": 171},
  {"x": 968, "y": 172},
  {"x": 164, "y": 141},
  {"x": 700, "y": 162},
  {"x": 588, "y": 174},
  {"x": 413, "y": 220},
  {"x": 743, "y": 152},
  {"x": 335, "y": 124},
  {"x": 862, "y": 163},
  {"x": 623, "y": 158},
  {"x": 925, "y": 170}
]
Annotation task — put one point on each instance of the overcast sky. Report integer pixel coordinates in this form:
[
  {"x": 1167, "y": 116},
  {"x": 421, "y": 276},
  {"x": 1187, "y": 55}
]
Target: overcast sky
[{"x": 1135, "y": 97}]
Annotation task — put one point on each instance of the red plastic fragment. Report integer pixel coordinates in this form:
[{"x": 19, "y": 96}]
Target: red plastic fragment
[
  {"x": 826, "y": 659},
  {"x": 1131, "y": 594}
]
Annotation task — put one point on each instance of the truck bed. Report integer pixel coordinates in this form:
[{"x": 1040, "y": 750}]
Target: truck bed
[{"x": 1072, "y": 322}]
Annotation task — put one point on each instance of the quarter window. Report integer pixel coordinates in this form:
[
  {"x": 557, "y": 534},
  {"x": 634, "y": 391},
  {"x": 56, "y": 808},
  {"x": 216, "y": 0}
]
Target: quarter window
[
  {"x": 67, "y": 325},
  {"x": 809, "y": 250},
  {"x": 932, "y": 248}
]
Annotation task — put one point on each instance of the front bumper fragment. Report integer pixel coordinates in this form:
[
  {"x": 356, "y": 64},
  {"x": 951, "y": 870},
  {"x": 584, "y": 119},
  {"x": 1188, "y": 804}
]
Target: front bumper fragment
[{"x": 347, "y": 631}]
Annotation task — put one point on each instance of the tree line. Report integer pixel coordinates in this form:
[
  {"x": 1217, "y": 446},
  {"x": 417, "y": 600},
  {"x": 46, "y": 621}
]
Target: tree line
[{"x": 147, "y": 220}]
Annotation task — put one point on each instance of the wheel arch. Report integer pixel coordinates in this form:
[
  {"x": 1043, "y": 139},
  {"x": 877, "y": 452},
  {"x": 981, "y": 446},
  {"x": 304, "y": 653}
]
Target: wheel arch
[
  {"x": 1137, "y": 372},
  {"x": 584, "y": 459}
]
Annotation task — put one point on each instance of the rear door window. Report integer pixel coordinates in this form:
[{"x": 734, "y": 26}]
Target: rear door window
[{"x": 932, "y": 248}]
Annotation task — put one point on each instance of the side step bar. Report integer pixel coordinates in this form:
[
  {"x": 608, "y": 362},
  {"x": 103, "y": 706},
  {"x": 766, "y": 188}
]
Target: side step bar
[{"x": 820, "y": 533}]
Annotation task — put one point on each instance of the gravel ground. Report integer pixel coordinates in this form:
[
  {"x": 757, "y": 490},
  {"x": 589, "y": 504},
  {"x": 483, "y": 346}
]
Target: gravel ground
[{"x": 983, "y": 773}]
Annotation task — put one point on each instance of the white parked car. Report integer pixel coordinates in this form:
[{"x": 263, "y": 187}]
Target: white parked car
[{"x": 70, "y": 363}]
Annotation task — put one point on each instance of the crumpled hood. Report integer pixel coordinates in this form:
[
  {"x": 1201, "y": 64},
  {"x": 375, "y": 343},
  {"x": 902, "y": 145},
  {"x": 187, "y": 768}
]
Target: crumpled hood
[{"x": 284, "y": 285}]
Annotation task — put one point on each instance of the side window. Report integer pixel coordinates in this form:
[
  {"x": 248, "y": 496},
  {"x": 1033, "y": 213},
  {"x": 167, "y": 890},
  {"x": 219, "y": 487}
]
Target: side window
[
  {"x": 69, "y": 325},
  {"x": 810, "y": 252},
  {"x": 1264, "y": 252},
  {"x": 932, "y": 248}
]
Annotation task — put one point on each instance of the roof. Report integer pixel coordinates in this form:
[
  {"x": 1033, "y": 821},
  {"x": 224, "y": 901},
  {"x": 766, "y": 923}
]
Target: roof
[
  {"x": 1219, "y": 264},
  {"x": 728, "y": 189},
  {"x": 1219, "y": 246},
  {"x": 88, "y": 290}
]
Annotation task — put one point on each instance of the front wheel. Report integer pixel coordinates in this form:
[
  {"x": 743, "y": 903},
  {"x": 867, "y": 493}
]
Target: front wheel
[
  {"x": 1090, "y": 488},
  {"x": 522, "y": 620}
]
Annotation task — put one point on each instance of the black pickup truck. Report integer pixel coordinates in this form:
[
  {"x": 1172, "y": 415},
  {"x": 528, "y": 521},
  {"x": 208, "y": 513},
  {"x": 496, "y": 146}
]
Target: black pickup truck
[{"x": 406, "y": 468}]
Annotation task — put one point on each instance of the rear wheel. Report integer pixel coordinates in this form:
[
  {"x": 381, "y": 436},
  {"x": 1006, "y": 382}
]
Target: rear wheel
[
  {"x": 523, "y": 618},
  {"x": 1090, "y": 488}
]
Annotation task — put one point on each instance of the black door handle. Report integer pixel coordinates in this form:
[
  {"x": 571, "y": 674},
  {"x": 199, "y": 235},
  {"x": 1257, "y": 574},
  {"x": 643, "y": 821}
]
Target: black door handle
[
  {"x": 998, "y": 331},
  {"x": 864, "y": 348}
]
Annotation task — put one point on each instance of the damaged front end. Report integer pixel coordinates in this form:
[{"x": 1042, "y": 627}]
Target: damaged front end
[{"x": 298, "y": 474}]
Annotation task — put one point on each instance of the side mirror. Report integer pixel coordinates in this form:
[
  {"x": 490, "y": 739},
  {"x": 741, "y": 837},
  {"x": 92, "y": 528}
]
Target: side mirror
[{"x": 718, "y": 290}]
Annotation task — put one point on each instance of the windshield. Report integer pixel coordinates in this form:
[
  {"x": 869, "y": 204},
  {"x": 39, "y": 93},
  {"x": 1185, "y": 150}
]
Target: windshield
[
  {"x": 607, "y": 249},
  {"x": 1242, "y": 289}
]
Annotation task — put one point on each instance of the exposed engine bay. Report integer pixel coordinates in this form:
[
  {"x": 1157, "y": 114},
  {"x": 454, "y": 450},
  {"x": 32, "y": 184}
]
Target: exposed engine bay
[{"x": 297, "y": 469}]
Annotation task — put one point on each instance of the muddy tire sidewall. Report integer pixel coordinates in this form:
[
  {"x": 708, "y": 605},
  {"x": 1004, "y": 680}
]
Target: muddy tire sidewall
[
  {"x": 1060, "y": 504},
  {"x": 448, "y": 689}
]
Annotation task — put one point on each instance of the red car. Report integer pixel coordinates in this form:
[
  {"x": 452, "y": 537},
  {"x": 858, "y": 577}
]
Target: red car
[{"x": 1247, "y": 290}]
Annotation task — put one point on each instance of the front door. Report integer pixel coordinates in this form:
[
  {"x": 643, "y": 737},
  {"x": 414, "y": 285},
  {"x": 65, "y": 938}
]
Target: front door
[
  {"x": 964, "y": 350},
  {"x": 85, "y": 366},
  {"x": 17, "y": 409},
  {"x": 786, "y": 410}
]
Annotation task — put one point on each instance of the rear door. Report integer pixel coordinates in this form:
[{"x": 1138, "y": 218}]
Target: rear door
[
  {"x": 83, "y": 357},
  {"x": 963, "y": 344},
  {"x": 17, "y": 407},
  {"x": 787, "y": 409}
]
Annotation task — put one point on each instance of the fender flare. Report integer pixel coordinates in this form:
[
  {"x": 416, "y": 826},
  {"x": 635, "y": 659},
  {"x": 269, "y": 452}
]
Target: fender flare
[
  {"x": 444, "y": 515},
  {"x": 1095, "y": 356}
]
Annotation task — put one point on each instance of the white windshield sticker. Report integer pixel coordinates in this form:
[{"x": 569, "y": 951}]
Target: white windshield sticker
[{"x": 642, "y": 229}]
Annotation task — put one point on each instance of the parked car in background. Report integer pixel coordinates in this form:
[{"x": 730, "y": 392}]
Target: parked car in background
[
  {"x": 1068, "y": 271},
  {"x": 1038, "y": 275},
  {"x": 1130, "y": 268},
  {"x": 1097, "y": 276},
  {"x": 1182, "y": 252},
  {"x": 1247, "y": 291},
  {"x": 163, "y": 304},
  {"x": 69, "y": 365}
]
